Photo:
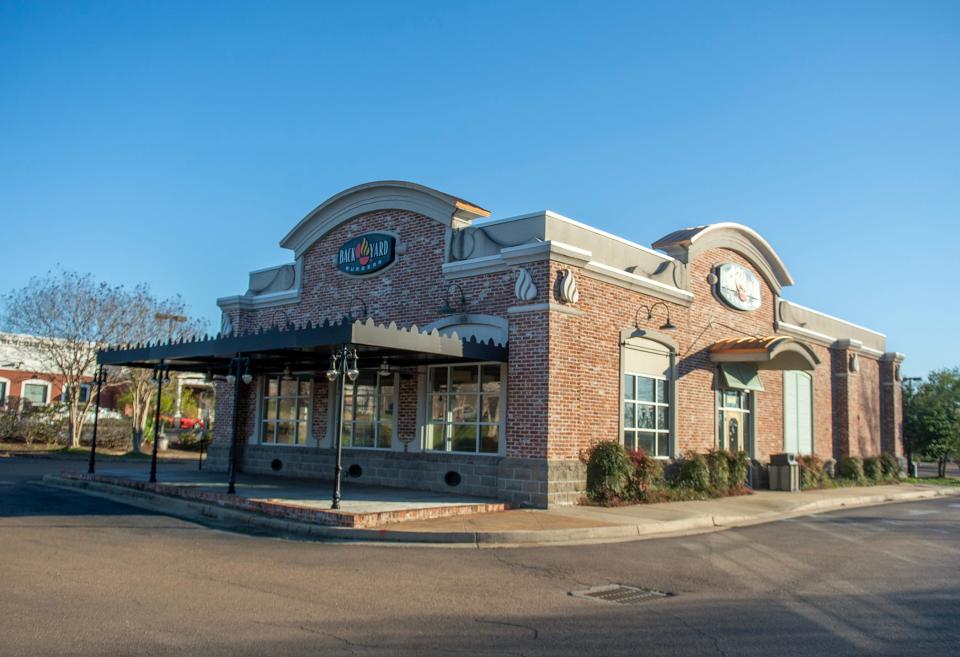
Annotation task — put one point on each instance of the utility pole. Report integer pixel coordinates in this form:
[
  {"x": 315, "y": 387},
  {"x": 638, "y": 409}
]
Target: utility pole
[{"x": 171, "y": 319}]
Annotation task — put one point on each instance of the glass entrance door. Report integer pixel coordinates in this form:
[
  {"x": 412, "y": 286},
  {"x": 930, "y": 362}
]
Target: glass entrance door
[{"x": 733, "y": 421}]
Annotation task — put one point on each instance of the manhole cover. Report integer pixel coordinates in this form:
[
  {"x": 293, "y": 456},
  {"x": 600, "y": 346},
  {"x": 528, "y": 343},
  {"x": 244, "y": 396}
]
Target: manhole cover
[{"x": 620, "y": 594}]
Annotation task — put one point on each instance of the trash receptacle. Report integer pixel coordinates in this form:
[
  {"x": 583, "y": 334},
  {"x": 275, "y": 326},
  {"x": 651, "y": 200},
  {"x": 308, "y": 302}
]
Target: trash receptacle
[{"x": 784, "y": 472}]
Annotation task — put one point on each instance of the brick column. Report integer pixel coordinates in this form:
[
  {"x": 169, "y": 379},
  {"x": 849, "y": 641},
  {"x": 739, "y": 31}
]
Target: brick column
[
  {"x": 891, "y": 403},
  {"x": 846, "y": 392}
]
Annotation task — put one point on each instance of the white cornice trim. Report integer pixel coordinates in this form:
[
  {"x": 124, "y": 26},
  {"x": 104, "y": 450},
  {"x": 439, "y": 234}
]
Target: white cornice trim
[
  {"x": 566, "y": 253},
  {"x": 516, "y": 255},
  {"x": 539, "y": 307},
  {"x": 578, "y": 224},
  {"x": 798, "y": 331},
  {"x": 834, "y": 318},
  {"x": 637, "y": 283},
  {"x": 243, "y": 302},
  {"x": 827, "y": 340}
]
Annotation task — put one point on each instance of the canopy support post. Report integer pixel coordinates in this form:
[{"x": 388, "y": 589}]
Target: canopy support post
[
  {"x": 161, "y": 374},
  {"x": 100, "y": 379},
  {"x": 238, "y": 371}
]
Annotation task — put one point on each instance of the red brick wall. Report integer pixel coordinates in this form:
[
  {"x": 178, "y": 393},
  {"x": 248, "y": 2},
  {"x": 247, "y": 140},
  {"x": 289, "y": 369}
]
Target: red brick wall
[
  {"x": 17, "y": 377},
  {"x": 585, "y": 361},
  {"x": 412, "y": 292},
  {"x": 563, "y": 389},
  {"x": 891, "y": 406}
]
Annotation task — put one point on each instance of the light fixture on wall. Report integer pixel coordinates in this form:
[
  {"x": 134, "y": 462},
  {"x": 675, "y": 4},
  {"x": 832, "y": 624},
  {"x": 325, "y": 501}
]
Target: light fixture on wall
[
  {"x": 358, "y": 310},
  {"x": 447, "y": 307},
  {"x": 666, "y": 326},
  {"x": 384, "y": 368}
]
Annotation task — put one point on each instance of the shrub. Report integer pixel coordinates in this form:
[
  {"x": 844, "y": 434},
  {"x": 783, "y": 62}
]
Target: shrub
[
  {"x": 608, "y": 472},
  {"x": 646, "y": 477},
  {"x": 850, "y": 468},
  {"x": 872, "y": 469},
  {"x": 24, "y": 422},
  {"x": 891, "y": 465},
  {"x": 830, "y": 469},
  {"x": 112, "y": 433},
  {"x": 719, "y": 467},
  {"x": 693, "y": 473},
  {"x": 812, "y": 473},
  {"x": 738, "y": 464}
]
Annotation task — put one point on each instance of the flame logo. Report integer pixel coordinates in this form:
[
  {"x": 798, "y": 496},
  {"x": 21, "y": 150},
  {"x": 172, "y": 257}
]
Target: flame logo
[{"x": 362, "y": 252}]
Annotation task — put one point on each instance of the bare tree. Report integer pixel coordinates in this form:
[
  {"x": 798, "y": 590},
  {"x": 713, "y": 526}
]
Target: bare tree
[
  {"x": 144, "y": 325},
  {"x": 72, "y": 316}
]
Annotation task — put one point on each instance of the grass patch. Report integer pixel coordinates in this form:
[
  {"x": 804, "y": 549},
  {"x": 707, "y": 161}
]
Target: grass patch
[
  {"x": 938, "y": 481},
  {"x": 75, "y": 452}
]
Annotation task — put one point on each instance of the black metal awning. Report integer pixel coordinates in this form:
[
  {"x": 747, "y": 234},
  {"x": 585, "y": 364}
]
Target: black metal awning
[{"x": 307, "y": 348}]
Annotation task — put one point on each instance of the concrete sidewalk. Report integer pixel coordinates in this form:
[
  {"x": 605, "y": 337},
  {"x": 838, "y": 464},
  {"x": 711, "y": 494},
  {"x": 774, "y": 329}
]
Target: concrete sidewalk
[{"x": 525, "y": 527}]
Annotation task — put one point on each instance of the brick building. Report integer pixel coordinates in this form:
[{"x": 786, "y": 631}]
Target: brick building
[
  {"x": 490, "y": 354},
  {"x": 27, "y": 375}
]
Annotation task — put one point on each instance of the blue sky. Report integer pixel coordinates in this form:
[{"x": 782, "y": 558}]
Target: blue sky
[{"x": 176, "y": 143}]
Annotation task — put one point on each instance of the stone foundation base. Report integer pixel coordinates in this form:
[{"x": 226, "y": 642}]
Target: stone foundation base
[{"x": 525, "y": 482}]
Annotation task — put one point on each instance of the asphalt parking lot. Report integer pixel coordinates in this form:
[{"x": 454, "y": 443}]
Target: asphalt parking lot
[{"x": 85, "y": 576}]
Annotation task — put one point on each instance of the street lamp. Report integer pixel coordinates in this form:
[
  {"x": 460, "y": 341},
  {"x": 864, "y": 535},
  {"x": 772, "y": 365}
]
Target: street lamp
[{"x": 343, "y": 366}]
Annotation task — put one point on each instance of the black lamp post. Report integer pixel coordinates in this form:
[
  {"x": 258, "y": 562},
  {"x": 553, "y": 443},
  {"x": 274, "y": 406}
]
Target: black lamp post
[
  {"x": 161, "y": 374},
  {"x": 99, "y": 378},
  {"x": 912, "y": 470},
  {"x": 239, "y": 373},
  {"x": 667, "y": 326},
  {"x": 343, "y": 366}
]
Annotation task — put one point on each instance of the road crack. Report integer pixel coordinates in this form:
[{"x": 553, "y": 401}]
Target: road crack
[{"x": 535, "y": 631}]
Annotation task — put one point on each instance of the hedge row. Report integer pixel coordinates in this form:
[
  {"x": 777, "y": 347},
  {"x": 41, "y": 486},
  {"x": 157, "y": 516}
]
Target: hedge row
[
  {"x": 618, "y": 476},
  {"x": 849, "y": 471}
]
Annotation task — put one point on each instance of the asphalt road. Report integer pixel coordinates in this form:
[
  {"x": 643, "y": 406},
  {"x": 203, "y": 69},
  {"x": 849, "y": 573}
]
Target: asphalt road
[{"x": 83, "y": 576}]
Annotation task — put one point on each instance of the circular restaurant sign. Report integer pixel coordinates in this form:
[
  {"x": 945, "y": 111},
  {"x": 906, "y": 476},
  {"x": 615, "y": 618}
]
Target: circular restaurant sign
[
  {"x": 366, "y": 254},
  {"x": 738, "y": 286}
]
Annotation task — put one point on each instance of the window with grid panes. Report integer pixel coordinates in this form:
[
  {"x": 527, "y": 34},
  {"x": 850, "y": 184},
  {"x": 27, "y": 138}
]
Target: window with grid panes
[
  {"x": 646, "y": 414},
  {"x": 285, "y": 411},
  {"x": 369, "y": 411},
  {"x": 465, "y": 407}
]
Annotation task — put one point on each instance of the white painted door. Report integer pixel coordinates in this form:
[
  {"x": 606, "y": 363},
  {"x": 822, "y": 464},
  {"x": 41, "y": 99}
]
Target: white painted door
[{"x": 797, "y": 412}]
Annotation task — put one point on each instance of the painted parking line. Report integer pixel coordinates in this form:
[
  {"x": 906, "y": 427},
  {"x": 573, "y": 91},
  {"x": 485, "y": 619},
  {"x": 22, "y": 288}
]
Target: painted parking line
[{"x": 922, "y": 512}]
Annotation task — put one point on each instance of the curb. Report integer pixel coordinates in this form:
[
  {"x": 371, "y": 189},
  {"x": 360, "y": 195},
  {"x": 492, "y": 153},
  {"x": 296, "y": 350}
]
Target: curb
[
  {"x": 233, "y": 519},
  {"x": 107, "y": 458}
]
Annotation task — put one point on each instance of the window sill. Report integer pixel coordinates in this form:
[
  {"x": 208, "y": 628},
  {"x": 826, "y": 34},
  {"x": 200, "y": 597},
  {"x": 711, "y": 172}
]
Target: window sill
[{"x": 445, "y": 451}]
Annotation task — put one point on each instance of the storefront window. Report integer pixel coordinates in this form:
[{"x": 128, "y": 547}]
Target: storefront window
[
  {"x": 369, "y": 411},
  {"x": 465, "y": 407},
  {"x": 285, "y": 411},
  {"x": 733, "y": 420},
  {"x": 646, "y": 414}
]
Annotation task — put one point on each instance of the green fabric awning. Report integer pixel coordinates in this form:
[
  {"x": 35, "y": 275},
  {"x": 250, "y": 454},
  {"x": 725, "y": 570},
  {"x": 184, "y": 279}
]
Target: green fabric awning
[{"x": 740, "y": 376}]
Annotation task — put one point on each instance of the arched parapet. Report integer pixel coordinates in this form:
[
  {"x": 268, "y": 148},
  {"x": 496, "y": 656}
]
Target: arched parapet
[
  {"x": 467, "y": 325},
  {"x": 685, "y": 245},
  {"x": 382, "y": 195}
]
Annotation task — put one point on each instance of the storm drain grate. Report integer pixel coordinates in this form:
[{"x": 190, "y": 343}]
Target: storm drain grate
[{"x": 620, "y": 594}]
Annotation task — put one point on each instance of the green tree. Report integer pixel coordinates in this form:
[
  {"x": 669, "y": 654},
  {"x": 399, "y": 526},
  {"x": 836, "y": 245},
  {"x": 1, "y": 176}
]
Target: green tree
[{"x": 931, "y": 417}]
